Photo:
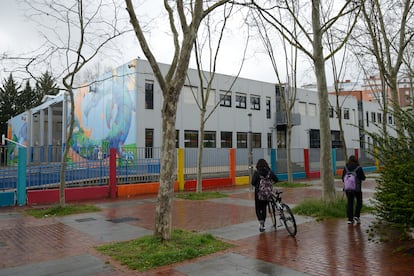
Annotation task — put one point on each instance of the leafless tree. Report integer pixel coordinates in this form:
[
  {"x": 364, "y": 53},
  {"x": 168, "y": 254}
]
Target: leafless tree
[
  {"x": 190, "y": 16},
  {"x": 323, "y": 16},
  {"x": 74, "y": 33},
  {"x": 388, "y": 27}
]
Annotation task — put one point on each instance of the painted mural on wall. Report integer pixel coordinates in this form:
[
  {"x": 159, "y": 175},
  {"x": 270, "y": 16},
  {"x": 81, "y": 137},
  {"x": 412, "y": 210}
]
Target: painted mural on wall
[
  {"x": 17, "y": 131},
  {"x": 105, "y": 115}
]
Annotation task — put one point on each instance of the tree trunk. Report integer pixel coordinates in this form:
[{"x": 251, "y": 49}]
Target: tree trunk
[
  {"x": 163, "y": 211},
  {"x": 327, "y": 177},
  {"x": 199, "y": 188}
]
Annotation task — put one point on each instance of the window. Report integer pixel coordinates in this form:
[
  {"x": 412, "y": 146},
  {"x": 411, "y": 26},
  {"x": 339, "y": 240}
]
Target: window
[
  {"x": 379, "y": 116},
  {"x": 255, "y": 102},
  {"x": 269, "y": 141},
  {"x": 242, "y": 140},
  {"x": 302, "y": 108},
  {"x": 225, "y": 99},
  {"x": 268, "y": 110},
  {"x": 149, "y": 142},
  {"x": 209, "y": 139},
  {"x": 191, "y": 138},
  {"x": 331, "y": 112},
  {"x": 314, "y": 138},
  {"x": 277, "y": 90},
  {"x": 226, "y": 139},
  {"x": 177, "y": 138},
  {"x": 256, "y": 140},
  {"x": 188, "y": 93},
  {"x": 241, "y": 101},
  {"x": 373, "y": 117},
  {"x": 312, "y": 109},
  {"x": 390, "y": 119},
  {"x": 367, "y": 117},
  {"x": 149, "y": 95},
  {"x": 336, "y": 139},
  {"x": 346, "y": 113}
]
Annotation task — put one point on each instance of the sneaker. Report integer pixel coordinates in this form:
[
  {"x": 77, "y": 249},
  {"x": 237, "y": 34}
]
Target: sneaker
[
  {"x": 262, "y": 227},
  {"x": 357, "y": 220},
  {"x": 350, "y": 222}
]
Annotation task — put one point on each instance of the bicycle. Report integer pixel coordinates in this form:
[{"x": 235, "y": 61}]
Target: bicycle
[{"x": 278, "y": 207}]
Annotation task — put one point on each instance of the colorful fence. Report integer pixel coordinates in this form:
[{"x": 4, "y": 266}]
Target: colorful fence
[{"x": 123, "y": 177}]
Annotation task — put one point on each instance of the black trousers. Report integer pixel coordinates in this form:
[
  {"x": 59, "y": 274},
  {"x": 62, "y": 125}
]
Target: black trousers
[
  {"x": 260, "y": 206},
  {"x": 351, "y": 197}
]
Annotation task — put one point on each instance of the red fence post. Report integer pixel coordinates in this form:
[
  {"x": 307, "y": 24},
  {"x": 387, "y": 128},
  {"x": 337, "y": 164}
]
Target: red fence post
[
  {"x": 356, "y": 153},
  {"x": 232, "y": 157},
  {"x": 306, "y": 161},
  {"x": 112, "y": 173}
]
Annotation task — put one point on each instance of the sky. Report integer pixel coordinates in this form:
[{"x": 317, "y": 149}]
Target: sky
[{"x": 18, "y": 34}]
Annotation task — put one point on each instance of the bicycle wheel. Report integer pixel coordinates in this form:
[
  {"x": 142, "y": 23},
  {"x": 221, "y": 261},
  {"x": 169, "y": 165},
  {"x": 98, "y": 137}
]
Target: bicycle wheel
[
  {"x": 288, "y": 219},
  {"x": 272, "y": 213}
]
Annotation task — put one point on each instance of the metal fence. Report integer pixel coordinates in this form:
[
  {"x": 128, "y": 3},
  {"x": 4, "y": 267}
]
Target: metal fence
[{"x": 136, "y": 165}]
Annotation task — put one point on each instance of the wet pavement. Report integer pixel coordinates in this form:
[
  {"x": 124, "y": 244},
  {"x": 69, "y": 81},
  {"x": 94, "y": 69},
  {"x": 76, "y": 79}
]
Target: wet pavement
[{"x": 66, "y": 245}]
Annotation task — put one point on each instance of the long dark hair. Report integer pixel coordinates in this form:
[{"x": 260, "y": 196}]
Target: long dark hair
[
  {"x": 261, "y": 163},
  {"x": 352, "y": 160}
]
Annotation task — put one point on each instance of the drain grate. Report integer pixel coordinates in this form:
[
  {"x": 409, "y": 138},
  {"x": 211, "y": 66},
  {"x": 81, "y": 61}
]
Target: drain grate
[
  {"x": 84, "y": 219},
  {"x": 124, "y": 219}
]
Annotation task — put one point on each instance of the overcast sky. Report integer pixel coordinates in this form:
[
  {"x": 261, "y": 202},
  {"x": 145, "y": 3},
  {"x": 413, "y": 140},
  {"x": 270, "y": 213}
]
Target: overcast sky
[{"x": 18, "y": 34}]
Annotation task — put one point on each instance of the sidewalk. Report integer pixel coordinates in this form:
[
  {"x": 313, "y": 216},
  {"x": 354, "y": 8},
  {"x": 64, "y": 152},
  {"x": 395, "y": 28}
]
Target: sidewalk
[{"x": 65, "y": 246}]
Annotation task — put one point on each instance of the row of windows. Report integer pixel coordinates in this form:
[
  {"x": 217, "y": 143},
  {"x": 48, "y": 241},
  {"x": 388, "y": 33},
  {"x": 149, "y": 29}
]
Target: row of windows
[
  {"x": 376, "y": 117},
  {"x": 226, "y": 139},
  {"x": 225, "y": 100},
  {"x": 345, "y": 112}
]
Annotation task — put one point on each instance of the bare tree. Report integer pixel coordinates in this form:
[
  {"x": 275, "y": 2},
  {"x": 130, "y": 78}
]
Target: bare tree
[
  {"x": 74, "y": 34},
  {"x": 206, "y": 78},
  {"x": 312, "y": 33},
  {"x": 387, "y": 24},
  {"x": 171, "y": 85}
]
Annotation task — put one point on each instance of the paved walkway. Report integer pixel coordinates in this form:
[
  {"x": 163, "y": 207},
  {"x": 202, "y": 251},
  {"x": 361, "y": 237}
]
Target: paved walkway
[{"x": 65, "y": 246}]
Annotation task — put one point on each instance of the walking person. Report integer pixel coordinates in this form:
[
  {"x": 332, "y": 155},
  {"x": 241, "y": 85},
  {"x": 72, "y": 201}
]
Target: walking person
[
  {"x": 262, "y": 171},
  {"x": 353, "y": 167}
]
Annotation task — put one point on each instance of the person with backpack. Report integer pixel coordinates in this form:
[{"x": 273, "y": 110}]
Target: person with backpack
[
  {"x": 352, "y": 177},
  {"x": 262, "y": 178}
]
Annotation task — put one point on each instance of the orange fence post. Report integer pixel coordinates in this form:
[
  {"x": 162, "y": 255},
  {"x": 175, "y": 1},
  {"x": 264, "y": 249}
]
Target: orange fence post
[{"x": 232, "y": 159}]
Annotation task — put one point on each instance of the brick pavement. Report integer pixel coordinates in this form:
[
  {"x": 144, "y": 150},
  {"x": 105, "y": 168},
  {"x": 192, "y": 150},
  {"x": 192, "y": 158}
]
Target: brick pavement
[{"x": 320, "y": 248}]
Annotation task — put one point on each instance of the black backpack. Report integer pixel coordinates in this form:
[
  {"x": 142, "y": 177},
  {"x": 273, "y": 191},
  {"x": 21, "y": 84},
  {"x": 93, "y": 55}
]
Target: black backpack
[{"x": 265, "y": 187}]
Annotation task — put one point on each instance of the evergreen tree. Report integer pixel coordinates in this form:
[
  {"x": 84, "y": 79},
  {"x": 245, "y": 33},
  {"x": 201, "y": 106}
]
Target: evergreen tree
[
  {"x": 9, "y": 97},
  {"x": 26, "y": 99},
  {"x": 46, "y": 85}
]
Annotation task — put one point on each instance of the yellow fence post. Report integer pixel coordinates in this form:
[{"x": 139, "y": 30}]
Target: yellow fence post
[{"x": 180, "y": 169}]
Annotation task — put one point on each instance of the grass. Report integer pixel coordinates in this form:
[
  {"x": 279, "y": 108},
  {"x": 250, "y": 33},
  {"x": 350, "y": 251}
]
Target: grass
[
  {"x": 58, "y": 211},
  {"x": 286, "y": 184},
  {"x": 201, "y": 196},
  {"x": 150, "y": 252},
  {"x": 322, "y": 209}
]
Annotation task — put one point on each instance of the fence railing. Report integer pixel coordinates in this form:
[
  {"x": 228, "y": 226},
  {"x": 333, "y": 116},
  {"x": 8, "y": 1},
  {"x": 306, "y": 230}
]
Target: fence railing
[{"x": 135, "y": 165}]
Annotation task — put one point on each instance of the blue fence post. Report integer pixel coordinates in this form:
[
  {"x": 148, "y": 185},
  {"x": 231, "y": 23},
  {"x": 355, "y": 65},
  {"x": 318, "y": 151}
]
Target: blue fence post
[
  {"x": 273, "y": 160},
  {"x": 334, "y": 161},
  {"x": 21, "y": 177}
]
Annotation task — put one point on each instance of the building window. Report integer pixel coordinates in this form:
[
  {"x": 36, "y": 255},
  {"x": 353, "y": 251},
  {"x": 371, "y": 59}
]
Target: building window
[
  {"x": 314, "y": 138},
  {"x": 209, "y": 139},
  {"x": 312, "y": 110},
  {"x": 177, "y": 138},
  {"x": 255, "y": 102},
  {"x": 242, "y": 140},
  {"x": 190, "y": 138},
  {"x": 390, "y": 119},
  {"x": 367, "y": 117},
  {"x": 269, "y": 141},
  {"x": 256, "y": 140},
  {"x": 226, "y": 139},
  {"x": 241, "y": 101},
  {"x": 268, "y": 110},
  {"x": 346, "y": 113},
  {"x": 373, "y": 117},
  {"x": 225, "y": 99},
  {"x": 336, "y": 139},
  {"x": 331, "y": 112},
  {"x": 149, "y": 142},
  {"x": 379, "y": 116},
  {"x": 302, "y": 108},
  {"x": 149, "y": 95}
]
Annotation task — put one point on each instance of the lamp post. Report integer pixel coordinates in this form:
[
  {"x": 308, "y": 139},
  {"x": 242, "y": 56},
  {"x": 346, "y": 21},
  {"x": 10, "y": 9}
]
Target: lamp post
[{"x": 249, "y": 145}]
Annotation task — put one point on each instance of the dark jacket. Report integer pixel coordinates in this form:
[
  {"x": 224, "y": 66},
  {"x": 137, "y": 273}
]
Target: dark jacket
[
  {"x": 359, "y": 173},
  {"x": 262, "y": 172}
]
